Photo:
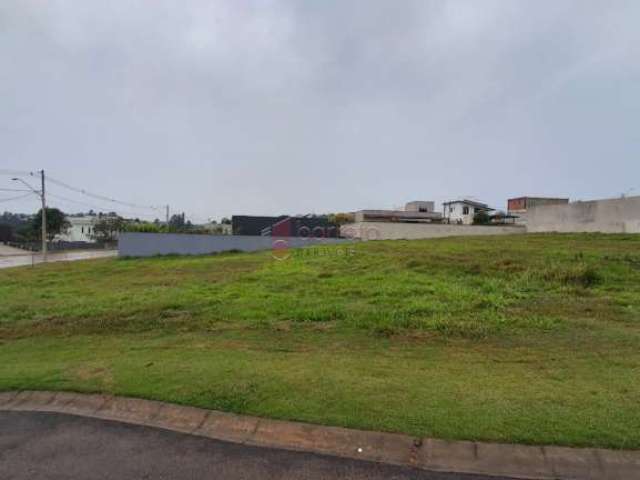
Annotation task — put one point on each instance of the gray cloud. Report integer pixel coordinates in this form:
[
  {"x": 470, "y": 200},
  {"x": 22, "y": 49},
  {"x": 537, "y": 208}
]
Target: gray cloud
[{"x": 258, "y": 107}]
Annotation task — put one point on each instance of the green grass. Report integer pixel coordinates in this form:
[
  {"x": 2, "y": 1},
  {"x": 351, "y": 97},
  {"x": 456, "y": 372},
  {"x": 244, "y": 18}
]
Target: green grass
[{"x": 532, "y": 339}]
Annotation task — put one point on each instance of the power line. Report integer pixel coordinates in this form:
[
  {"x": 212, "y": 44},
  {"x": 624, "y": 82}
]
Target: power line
[
  {"x": 84, "y": 204},
  {"x": 101, "y": 197},
  {"x": 98, "y": 208},
  {"x": 133, "y": 209},
  {"x": 2, "y": 200},
  {"x": 14, "y": 172}
]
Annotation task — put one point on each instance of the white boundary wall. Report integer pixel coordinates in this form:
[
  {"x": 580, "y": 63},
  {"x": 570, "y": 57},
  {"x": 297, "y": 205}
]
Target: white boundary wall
[
  {"x": 617, "y": 215},
  {"x": 414, "y": 231}
]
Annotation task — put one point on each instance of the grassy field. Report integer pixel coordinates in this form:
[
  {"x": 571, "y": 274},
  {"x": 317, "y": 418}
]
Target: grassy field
[{"x": 532, "y": 339}]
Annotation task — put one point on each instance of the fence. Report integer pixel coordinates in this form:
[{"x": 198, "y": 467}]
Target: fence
[
  {"x": 149, "y": 244},
  {"x": 616, "y": 215},
  {"x": 415, "y": 231}
]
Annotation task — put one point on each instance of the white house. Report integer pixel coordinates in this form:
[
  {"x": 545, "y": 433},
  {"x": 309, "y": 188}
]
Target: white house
[
  {"x": 218, "y": 228},
  {"x": 80, "y": 230},
  {"x": 463, "y": 211}
]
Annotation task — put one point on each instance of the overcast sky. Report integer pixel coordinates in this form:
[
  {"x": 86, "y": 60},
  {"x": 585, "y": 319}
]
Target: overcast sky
[{"x": 282, "y": 107}]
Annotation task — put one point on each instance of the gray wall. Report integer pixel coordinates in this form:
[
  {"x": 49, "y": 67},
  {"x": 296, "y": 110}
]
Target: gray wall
[
  {"x": 618, "y": 215},
  {"x": 149, "y": 244},
  {"x": 413, "y": 231}
]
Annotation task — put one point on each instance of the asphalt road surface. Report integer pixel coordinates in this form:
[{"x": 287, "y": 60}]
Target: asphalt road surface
[{"x": 56, "y": 446}]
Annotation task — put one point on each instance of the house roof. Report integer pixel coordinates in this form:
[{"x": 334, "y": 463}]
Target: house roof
[
  {"x": 479, "y": 205},
  {"x": 81, "y": 220},
  {"x": 529, "y": 197}
]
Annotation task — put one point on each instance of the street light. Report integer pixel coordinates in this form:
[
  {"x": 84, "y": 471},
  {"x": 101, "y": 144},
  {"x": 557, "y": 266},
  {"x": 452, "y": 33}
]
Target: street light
[
  {"x": 37, "y": 192},
  {"x": 41, "y": 194}
]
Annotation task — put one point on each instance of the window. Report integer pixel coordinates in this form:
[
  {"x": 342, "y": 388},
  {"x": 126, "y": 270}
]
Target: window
[{"x": 465, "y": 210}]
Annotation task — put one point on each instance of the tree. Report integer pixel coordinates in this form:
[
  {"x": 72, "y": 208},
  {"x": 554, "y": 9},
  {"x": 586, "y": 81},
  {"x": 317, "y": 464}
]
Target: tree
[
  {"x": 6, "y": 233},
  {"x": 13, "y": 226},
  {"x": 146, "y": 227},
  {"x": 177, "y": 222},
  {"x": 57, "y": 223},
  {"x": 25, "y": 233},
  {"x": 106, "y": 229},
  {"x": 481, "y": 218},
  {"x": 225, "y": 221},
  {"x": 16, "y": 220},
  {"x": 340, "y": 218}
]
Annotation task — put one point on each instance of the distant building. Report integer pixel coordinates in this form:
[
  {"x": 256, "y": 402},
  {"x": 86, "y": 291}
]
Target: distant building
[
  {"x": 217, "y": 228},
  {"x": 420, "y": 206},
  {"x": 252, "y": 224},
  {"x": 463, "y": 211},
  {"x": 284, "y": 226},
  {"x": 310, "y": 227},
  {"x": 502, "y": 218},
  {"x": 80, "y": 230},
  {"x": 419, "y": 220},
  {"x": 519, "y": 206},
  {"x": 414, "y": 212}
]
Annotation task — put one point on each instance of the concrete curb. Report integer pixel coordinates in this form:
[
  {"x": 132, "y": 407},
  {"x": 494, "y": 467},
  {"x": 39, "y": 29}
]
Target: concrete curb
[{"x": 517, "y": 461}]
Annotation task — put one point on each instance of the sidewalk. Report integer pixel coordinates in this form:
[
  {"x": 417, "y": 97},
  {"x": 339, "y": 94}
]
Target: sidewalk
[
  {"x": 517, "y": 461},
  {"x": 25, "y": 258},
  {"x": 6, "y": 251}
]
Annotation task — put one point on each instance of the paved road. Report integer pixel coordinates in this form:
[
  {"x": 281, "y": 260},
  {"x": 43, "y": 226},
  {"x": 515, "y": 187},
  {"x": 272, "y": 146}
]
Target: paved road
[
  {"x": 56, "y": 446},
  {"x": 28, "y": 258}
]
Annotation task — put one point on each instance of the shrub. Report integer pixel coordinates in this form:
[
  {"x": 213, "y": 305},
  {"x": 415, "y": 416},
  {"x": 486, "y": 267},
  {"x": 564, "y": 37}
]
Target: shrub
[
  {"x": 581, "y": 274},
  {"x": 481, "y": 218}
]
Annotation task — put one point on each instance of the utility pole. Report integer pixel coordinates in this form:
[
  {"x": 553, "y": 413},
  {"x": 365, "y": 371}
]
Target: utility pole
[
  {"x": 42, "y": 194},
  {"x": 167, "y": 208},
  {"x": 44, "y": 218}
]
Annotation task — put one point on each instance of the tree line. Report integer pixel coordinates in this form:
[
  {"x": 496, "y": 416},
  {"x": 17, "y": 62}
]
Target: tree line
[{"x": 27, "y": 228}]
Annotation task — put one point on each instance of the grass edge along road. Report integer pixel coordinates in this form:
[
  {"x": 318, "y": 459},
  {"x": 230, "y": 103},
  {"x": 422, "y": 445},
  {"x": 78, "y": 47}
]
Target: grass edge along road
[{"x": 527, "y": 339}]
